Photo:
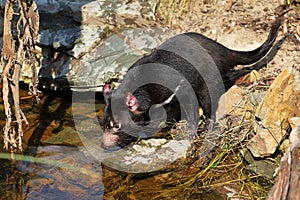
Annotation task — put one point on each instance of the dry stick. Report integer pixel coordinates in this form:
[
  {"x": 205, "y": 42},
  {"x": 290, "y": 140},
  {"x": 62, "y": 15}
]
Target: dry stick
[
  {"x": 15, "y": 93},
  {"x": 15, "y": 87},
  {"x": 8, "y": 59},
  {"x": 8, "y": 44},
  {"x": 8, "y": 113},
  {"x": 31, "y": 27},
  {"x": 12, "y": 61}
]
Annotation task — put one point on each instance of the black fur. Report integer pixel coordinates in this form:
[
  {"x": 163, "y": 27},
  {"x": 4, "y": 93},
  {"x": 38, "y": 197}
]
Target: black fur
[{"x": 213, "y": 53}]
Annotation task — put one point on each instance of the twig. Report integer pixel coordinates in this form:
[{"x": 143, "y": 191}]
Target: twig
[{"x": 15, "y": 53}]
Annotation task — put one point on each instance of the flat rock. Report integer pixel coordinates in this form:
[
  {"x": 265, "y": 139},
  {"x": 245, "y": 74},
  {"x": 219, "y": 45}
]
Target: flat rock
[
  {"x": 279, "y": 104},
  {"x": 83, "y": 43},
  {"x": 147, "y": 156},
  {"x": 68, "y": 136},
  {"x": 229, "y": 102},
  {"x": 235, "y": 103}
]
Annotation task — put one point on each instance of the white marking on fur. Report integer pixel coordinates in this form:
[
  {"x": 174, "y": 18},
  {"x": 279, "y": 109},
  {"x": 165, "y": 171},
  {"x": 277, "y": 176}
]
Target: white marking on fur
[{"x": 168, "y": 100}]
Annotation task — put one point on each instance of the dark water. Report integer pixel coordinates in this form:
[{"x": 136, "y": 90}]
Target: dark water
[
  {"x": 59, "y": 162},
  {"x": 54, "y": 163}
]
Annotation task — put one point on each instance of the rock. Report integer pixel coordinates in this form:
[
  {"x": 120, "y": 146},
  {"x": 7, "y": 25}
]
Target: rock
[
  {"x": 295, "y": 133},
  {"x": 238, "y": 102},
  {"x": 112, "y": 58},
  {"x": 280, "y": 103},
  {"x": 235, "y": 103},
  {"x": 147, "y": 155},
  {"x": 264, "y": 168},
  {"x": 38, "y": 183},
  {"x": 83, "y": 43},
  {"x": 68, "y": 136},
  {"x": 229, "y": 103},
  {"x": 148, "y": 146},
  {"x": 83, "y": 22}
]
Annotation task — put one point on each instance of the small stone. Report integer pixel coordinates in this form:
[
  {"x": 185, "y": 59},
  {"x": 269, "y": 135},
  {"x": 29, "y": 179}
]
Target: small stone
[
  {"x": 155, "y": 142},
  {"x": 262, "y": 167},
  {"x": 39, "y": 183},
  {"x": 263, "y": 144}
]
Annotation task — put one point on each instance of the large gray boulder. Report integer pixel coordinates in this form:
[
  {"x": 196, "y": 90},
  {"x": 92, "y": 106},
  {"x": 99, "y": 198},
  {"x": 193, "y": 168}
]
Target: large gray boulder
[{"x": 84, "y": 43}]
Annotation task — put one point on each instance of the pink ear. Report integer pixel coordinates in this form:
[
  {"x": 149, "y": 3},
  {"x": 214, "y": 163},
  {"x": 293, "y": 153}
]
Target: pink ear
[
  {"x": 131, "y": 102},
  {"x": 106, "y": 88}
]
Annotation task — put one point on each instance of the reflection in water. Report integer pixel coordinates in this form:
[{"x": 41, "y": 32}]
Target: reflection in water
[
  {"x": 12, "y": 180},
  {"x": 55, "y": 164},
  {"x": 56, "y": 172},
  {"x": 45, "y": 170}
]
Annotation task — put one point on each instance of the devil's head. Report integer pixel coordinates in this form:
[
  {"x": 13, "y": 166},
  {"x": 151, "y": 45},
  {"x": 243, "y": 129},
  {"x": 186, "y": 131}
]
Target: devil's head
[
  {"x": 121, "y": 127},
  {"x": 131, "y": 115}
]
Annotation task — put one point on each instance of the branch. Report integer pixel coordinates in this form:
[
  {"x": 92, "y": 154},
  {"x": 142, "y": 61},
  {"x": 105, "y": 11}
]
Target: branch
[{"x": 15, "y": 54}]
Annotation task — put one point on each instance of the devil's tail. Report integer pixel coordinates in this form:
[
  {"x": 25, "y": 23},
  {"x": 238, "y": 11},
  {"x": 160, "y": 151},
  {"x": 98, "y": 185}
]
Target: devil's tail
[{"x": 249, "y": 57}]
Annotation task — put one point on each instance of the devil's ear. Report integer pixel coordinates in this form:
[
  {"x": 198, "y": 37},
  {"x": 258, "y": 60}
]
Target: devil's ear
[
  {"x": 107, "y": 92},
  {"x": 106, "y": 89},
  {"x": 131, "y": 102}
]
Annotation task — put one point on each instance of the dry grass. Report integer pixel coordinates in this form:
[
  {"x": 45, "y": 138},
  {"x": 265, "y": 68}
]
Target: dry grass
[
  {"x": 172, "y": 11},
  {"x": 224, "y": 171}
]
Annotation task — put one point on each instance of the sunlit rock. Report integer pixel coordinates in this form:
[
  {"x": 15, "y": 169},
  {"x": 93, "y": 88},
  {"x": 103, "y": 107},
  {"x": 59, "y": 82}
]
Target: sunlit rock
[
  {"x": 147, "y": 155},
  {"x": 238, "y": 102},
  {"x": 229, "y": 103},
  {"x": 84, "y": 43},
  {"x": 281, "y": 102}
]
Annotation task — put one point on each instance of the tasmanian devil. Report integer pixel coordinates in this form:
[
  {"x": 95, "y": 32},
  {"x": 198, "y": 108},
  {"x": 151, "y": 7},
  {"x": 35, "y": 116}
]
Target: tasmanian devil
[{"x": 186, "y": 71}]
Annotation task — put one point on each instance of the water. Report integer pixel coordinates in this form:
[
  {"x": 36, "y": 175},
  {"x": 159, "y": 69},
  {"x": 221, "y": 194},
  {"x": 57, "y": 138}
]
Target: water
[
  {"x": 54, "y": 163},
  {"x": 58, "y": 163}
]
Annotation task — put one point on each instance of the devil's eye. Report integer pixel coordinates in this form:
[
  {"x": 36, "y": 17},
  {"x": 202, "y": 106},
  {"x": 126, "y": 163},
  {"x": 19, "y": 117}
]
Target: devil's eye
[
  {"x": 114, "y": 125},
  {"x": 117, "y": 125}
]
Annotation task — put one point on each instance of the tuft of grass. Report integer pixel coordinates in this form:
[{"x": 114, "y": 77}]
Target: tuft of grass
[
  {"x": 222, "y": 171},
  {"x": 226, "y": 170}
]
